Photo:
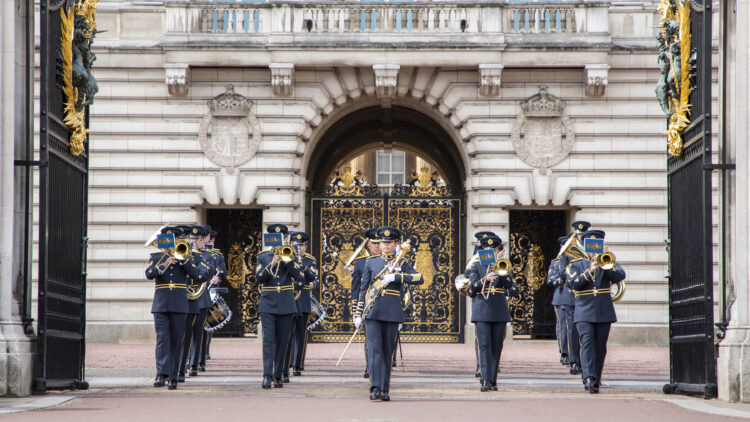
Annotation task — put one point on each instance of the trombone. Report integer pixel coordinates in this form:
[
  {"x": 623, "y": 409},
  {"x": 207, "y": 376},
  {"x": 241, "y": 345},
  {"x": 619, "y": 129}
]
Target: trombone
[
  {"x": 181, "y": 252},
  {"x": 286, "y": 254},
  {"x": 606, "y": 261},
  {"x": 501, "y": 267}
]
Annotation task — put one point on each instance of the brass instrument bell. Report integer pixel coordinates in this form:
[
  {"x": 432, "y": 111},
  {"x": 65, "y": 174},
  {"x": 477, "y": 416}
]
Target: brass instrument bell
[
  {"x": 181, "y": 250},
  {"x": 462, "y": 284},
  {"x": 502, "y": 267},
  {"x": 606, "y": 260},
  {"x": 287, "y": 253},
  {"x": 617, "y": 291}
]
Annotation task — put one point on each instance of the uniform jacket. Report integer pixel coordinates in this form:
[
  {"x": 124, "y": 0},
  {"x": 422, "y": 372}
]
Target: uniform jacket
[
  {"x": 593, "y": 300},
  {"x": 566, "y": 293},
  {"x": 310, "y": 271},
  {"x": 220, "y": 266},
  {"x": 555, "y": 280},
  {"x": 207, "y": 263},
  {"x": 495, "y": 307},
  {"x": 277, "y": 293},
  {"x": 359, "y": 268},
  {"x": 170, "y": 294},
  {"x": 388, "y": 306}
]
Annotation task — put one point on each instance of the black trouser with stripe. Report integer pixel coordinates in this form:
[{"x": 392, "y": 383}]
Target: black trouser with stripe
[
  {"x": 561, "y": 330},
  {"x": 276, "y": 330},
  {"x": 186, "y": 339},
  {"x": 381, "y": 342},
  {"x": 196, "y": 343},
  {"x": 295, "y": 349},
  {"x": 170, "y": 328},
  {"x": 593, "y": 347},
  {"x": 574, "y": 352},
  {"x": 490, "y": 336}
]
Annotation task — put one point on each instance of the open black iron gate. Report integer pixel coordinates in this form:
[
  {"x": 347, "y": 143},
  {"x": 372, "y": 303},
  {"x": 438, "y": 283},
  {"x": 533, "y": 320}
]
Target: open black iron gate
[
  {"x": 430, "y": 217},
  {"x": 691, "y": 318},
  {"x": 63, "y": 187}
]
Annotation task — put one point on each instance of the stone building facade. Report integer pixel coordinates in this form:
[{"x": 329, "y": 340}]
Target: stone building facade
[{"x": 212, "y": 105}]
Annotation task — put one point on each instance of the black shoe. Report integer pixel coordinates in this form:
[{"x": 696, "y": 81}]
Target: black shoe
[
  {"x": 202, "y": 368},
  {"x": 374, "y": 393},
  {"x": 208, "y": 356},
  {"x": 478, "y": 374},
  {"x": 180, "y": 377},
  {"x": 564, "y": 361},
  {"x": 485, "y": 386},
  {"x": 266, "y": 381},
  {"x": 394, "y": 364},
  {"x": 172, "y": 385},
  {"x": 193, "y": 371},
  {"x": 575, "y": 369},
  {"x": 384, "y": 396},
  {"x": 285, "y": 378},
  {"x": 493, "y": 386},
  {"x": 367, "y": 374},
  {"x": 297, "y": 373},
  {"x": 277, "y": 383},
  {"x": 159, "y": 381},
  {"x": 590, "y": 385}
]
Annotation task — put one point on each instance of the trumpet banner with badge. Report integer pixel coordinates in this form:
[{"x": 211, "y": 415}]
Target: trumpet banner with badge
[{"x": 429, "y": 216}]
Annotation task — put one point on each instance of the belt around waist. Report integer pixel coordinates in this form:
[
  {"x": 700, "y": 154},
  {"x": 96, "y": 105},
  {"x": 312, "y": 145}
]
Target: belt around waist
[
  {"x": 277, "y": 289},
  {"x": 171, "y": 286},
  {"x": 392, "y": 292},
  {"x": 591, "y": 292},
  {"x": 494, "y": 290}
]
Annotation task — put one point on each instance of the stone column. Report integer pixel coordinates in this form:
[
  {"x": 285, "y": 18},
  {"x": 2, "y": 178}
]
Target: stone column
[
  {"x": 733, "y": 364},
  {"x": 16, "y": 358}
]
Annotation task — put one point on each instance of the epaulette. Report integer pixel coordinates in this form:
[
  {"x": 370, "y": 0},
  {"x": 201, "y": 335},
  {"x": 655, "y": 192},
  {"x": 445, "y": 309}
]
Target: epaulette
[
  {"x": 574, "y": 259},
  {"x": 374, "y": 256},
  {"x": 266, "y": 251},
  {"x": 157, "y": 252},
  {"x": 362, "y": 257},
  {"x": 307, "y": 255}
]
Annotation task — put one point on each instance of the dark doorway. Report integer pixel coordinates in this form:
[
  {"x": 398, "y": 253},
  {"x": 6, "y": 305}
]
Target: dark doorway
[
  {"x": 532, "y": 246},
  {"x": 239, "y": 239}
]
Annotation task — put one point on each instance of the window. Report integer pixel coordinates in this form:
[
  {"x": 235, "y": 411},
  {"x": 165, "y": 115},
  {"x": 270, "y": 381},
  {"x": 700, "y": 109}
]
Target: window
[{"x": 391, "y": 167}]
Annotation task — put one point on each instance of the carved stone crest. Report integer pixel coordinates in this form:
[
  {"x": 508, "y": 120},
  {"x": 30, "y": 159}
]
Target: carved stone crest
[
  {"x": 229, "y": 134},
  {"x": 543, "y": 134}
]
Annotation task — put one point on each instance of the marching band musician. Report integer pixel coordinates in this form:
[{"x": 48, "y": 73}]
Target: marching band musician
[
  {"x": 295, "y": 354},
  {"x": 170, "y": 306},
  {"x": 555, "y": 279},
  {"x": 197, "y": 306},
  {"x": 386, "y": 312},
  {"x": 489, "y": 311},
  {"x": 198, "y": 333},
  {"x": 594, "y": 311},
  {"x": 278, "y": 281},
  {"x": 475, "y": 258},
  {"x": 373, "y": 247},
  {"x": 568, "y": 303},
  {"x": 221, "y": 267}
]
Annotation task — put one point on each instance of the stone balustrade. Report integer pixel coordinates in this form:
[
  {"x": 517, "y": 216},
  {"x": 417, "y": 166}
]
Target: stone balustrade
[{"x": 353, "y": 17}]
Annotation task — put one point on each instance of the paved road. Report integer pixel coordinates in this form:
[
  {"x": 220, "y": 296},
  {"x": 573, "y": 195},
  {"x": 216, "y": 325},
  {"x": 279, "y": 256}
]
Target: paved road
[{"x": 436, "y": 384}]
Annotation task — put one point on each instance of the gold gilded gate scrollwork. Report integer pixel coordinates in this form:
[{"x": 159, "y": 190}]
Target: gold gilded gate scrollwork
[{"x": 426, "y": 216}]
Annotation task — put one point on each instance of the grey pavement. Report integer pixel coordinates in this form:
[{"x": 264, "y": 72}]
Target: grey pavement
[{"x": 435, "y": 383}]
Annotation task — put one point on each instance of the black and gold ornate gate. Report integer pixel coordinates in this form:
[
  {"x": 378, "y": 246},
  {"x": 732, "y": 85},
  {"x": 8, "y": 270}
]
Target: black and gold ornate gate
[
  {"x": 429, "y": 215},
  {"x": 239, "y": 239},
  {"x": 532, "y": 245}
]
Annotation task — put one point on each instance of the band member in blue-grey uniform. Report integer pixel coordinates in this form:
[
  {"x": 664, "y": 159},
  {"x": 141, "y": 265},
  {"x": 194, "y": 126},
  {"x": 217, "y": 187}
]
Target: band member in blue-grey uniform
[
  {"x": 568, "y": 303},
  {"x": 489, "y": 311},
  {"x": 170, "y": 307},
  {"x": 373, "y": 247},
  {"x": 295, "y": 354},
  {"x": 595, "y": 311},
  {"x": 198, "y": 333},
  {"x": 196, "y": 306},
  {"x": 556, "y": 279},
  {"x": 278, "y": 281},
  {"x": 221, "y": 267},
  {"x": 475, "y": 258},
  {"x": 386, "y": 312}
]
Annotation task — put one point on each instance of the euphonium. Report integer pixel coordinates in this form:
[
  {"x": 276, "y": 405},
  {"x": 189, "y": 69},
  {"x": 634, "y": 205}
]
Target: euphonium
[
  {"x": 617, "y": 291},
  {"x": 194, "y": 292},
  {"x": 606, "y": 260}
]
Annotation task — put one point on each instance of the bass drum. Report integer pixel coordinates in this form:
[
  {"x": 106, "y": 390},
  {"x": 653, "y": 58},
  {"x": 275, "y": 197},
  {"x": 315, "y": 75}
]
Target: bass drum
[{"x": 218, "y": 315}]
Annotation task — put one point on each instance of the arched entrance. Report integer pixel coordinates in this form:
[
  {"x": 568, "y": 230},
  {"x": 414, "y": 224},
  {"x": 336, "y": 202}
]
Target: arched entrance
[{"x": 427, "y": 204}]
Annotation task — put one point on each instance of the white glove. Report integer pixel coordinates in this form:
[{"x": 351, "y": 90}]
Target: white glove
[
  {"x": 357, "y": 321},
  {"x": 388, "y": 279}
]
